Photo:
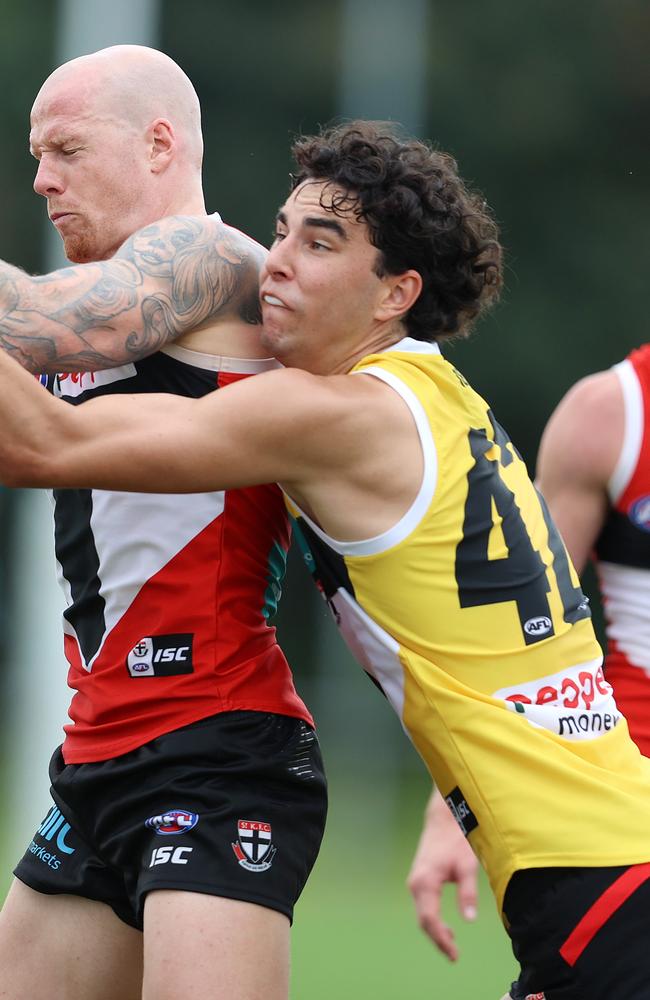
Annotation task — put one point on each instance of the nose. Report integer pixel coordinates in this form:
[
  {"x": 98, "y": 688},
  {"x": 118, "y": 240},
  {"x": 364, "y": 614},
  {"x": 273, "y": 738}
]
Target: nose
[
  {"x": 278, "y": 262},
  {"x": 48, "y": 180}
]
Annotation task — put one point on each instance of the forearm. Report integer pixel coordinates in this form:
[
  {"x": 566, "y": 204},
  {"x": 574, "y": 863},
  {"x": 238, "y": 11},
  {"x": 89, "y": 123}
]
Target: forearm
[
  {"x": 29, "y": 419},
  {"x": 68, "y": 320},
  {"x": 167, "y": 279}
]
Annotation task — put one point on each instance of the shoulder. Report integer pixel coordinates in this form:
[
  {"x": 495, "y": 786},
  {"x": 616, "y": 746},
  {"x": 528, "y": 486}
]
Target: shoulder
[
  {"x": 177, "y": 237},
  {"x": 584, "y": 435}
]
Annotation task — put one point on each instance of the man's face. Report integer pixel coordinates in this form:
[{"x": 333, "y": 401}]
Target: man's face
[
  {"x": 319, "y": 288},
  {"x": 92, "y": 170}
]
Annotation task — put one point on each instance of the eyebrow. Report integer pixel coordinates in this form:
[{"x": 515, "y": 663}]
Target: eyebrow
[
  {"x": 55, "y": 140},
  {"x": 318, "y": 222}
]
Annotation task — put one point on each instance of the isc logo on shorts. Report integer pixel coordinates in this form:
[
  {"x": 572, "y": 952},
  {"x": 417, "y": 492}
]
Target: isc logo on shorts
[
  {"x": 170, "y": 855},
  {"x": 161, "y": 656}
]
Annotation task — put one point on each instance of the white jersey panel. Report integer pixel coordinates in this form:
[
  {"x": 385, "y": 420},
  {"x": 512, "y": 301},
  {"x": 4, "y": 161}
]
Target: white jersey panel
[
  {"x": 626, "y": 591},
  {"x": 136, "y": 535},
  {"x": 633, "y": 432}
]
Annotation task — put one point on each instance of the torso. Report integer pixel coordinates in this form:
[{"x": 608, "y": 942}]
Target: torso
[
  {"x": 469, "y": 616},
  {"x": 169, "y": 597}
]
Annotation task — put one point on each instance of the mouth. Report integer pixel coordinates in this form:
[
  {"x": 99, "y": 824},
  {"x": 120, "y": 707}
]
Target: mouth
[
  {"x": 272, "y": 300},
  {"x": 57, "y": 217}
]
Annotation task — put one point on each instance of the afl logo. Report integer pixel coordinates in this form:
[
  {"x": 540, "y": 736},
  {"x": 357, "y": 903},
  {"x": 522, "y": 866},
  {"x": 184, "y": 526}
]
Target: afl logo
[
  {"x": 538, "y": 626},
  {"x": 173, "y": 821},
  {"x": 640, "y": 513}
]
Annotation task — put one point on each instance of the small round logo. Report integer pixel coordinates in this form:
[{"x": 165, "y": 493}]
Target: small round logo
[
  {"x": 640, "y": 513},
  {"x": 538, "y": 626},
  {"x": 173, "y": 821}
]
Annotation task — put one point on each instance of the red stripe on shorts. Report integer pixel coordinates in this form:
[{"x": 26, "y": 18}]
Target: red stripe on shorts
[{"x": 600, "y": 912}]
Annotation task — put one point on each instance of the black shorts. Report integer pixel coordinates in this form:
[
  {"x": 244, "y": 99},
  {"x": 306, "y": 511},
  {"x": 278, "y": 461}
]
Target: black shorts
[
  {"x": 233, "y": 805},
  {"x": 581, "y": 933}
]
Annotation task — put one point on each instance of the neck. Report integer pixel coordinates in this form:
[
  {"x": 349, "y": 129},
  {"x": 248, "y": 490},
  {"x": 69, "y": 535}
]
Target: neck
[{"x": 379, "y": 341}]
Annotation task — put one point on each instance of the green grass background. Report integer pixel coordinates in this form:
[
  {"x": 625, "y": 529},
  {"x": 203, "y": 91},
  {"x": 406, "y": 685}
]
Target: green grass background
[{"x": 355, "y": 934}]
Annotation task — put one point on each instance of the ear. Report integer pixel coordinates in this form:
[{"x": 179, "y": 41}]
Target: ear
[
  {"x": 399, "y": 293},
  {"x": 162, "y": 144}
]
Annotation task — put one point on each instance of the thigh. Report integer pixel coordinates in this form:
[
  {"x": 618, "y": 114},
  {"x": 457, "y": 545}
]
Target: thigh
[
  {"x": 224, "y": 949},
  {"x": 58, "y": 947}
]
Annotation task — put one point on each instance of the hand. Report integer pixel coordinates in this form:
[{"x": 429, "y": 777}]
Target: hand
[{"x": 443, "y": 855}]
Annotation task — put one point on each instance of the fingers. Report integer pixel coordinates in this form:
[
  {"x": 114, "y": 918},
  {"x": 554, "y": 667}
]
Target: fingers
[
  {"x": 467, "y": 893},
  {"x": 441, "y": 935}
]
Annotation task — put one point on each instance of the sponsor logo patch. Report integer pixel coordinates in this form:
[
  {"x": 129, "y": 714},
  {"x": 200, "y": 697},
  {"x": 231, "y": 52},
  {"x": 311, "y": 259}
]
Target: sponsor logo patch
[
  {"x": 70, "y": 384},
  {"x": 55, "y": 826},
  {"x": 253, "y": 848},
  {"x": 640, "y": 513},
  {"x": 173, "y": 821},
  {"x": 170, "y": 855},
  {"x": 461, "y": 812},
  {"x": 575, "y": 703},
  {"x": 161, "y": 656},
  {"x": 538, "y": 626}
]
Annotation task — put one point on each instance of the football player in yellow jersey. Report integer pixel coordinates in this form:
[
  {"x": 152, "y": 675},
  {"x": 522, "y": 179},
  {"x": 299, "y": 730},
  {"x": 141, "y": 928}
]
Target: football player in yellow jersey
[{"x": 439, "y": 559}]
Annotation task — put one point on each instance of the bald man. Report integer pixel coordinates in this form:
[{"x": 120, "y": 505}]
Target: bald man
[{"x": 188, "y": 795}]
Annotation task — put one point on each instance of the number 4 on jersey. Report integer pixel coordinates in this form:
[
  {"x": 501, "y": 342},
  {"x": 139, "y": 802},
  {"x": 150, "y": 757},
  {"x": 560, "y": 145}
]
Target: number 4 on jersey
[{"x": 520, "y": 576}]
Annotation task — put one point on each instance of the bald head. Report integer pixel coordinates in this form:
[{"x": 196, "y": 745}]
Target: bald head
[
  {"x": 117, "y": 134},
  {"x": 132, "y": 85}
]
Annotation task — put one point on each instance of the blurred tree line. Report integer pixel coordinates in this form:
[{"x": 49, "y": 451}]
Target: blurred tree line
[{"x": 544, "y": 105}]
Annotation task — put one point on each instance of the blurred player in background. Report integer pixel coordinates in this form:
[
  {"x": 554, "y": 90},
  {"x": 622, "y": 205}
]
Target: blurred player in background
[
  {"x": 189, "y": 797},
  {"x": 439, "y": 559},
  {"x": 594, "y": 471}
]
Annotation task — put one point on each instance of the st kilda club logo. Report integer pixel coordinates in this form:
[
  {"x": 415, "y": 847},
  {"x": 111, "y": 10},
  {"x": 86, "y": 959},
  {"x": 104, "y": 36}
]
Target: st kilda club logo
[{"x": 253, "y": 848}]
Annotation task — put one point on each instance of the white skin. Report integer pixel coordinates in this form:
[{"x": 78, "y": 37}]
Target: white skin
[
  {"x": 578, "y": 453},
  {"x": 118, "y": 143}
]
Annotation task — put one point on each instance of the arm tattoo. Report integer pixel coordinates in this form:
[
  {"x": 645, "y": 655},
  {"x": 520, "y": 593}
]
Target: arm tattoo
[{"x": 167, "y": 279}]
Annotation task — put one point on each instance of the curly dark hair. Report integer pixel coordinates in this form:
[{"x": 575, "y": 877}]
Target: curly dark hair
[{"x": 419, "y": 214}]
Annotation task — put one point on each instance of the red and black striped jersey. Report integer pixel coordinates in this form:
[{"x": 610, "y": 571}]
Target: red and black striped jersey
[{"x": 623, "y": 554}]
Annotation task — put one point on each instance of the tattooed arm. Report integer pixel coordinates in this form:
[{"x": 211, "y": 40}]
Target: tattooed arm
[{"x": 178, "y": 275}]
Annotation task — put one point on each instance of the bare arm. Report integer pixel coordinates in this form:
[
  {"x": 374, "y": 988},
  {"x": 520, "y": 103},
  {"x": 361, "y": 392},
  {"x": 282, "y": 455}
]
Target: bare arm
[
  {"x": 242, "y": 435},
  {"x": 578, "y": 454},
  {"x": 170, "y": 277}
]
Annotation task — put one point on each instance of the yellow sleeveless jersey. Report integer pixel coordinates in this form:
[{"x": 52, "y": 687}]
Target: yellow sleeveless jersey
[{"x": 470, "y": 617}]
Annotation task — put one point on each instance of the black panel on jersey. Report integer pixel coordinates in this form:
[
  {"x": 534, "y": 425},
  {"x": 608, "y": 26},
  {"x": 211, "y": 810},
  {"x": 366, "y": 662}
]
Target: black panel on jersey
[
  {"x": 622, "y": 542},
  {"x": 77, "y": 555},
  {"x": 326, "y": 566},
  {"x": 158, "y": 373}
]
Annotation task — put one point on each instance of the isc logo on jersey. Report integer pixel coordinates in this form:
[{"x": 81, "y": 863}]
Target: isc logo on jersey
[
  {"x": 161, "y": 656},
  {"x": 575, "y": 703}
]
